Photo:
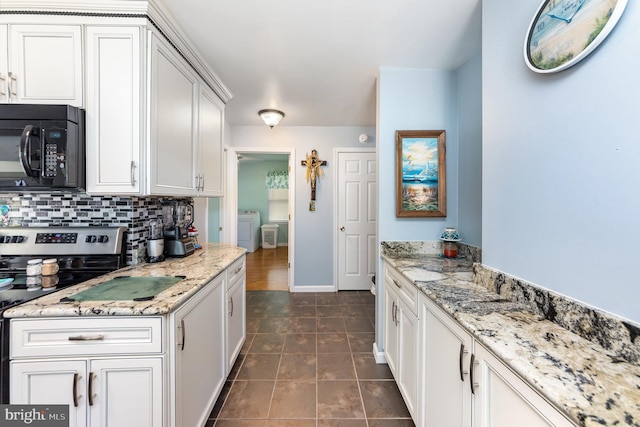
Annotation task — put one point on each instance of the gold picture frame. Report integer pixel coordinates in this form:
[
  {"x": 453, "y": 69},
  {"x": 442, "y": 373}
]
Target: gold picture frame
[{"x": 421, "y": 173}]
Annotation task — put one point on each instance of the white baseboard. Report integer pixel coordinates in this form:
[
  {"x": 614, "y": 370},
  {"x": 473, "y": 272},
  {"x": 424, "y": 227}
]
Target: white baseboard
[
  {"x": 379, "y": 355},
  {"x": 321, "y": 288}
]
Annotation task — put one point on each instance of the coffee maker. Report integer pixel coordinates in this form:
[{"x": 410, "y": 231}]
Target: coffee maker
[{"x": 178, "y": 217}]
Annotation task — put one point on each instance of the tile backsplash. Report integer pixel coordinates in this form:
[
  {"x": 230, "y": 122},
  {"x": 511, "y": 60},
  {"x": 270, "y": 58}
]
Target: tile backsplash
[{"x": 71, "y": 209}]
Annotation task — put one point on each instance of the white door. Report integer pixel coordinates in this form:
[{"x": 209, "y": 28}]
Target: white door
[{"x": 356, "y": 254}]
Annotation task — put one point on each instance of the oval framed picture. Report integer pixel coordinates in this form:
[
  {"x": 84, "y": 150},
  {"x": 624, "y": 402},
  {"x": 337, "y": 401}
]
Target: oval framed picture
[{"x": 564, "y": 32}]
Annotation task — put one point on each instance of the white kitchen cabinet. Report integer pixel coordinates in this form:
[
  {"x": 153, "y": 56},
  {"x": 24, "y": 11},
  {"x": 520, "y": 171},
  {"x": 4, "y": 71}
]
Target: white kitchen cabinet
[
  {"x": 445, "y": 350},
  {"x": 104, "y": 368},
  {"x": 42, "y": 65},
  {"x": 209, "y": 170},
  {"x": 502, "y": 397},
  {"x": 115, "y": 113},
  {"x": 236, "y": 310},
  {"x": 61, "y": 382},
  {"x": 4, "y": 65},
  {"x": 173, "y": 89},
  {"x": 197, "y": 354},
  {"x": 462, "y": 384},
  {"x": 401, "y": 335}
]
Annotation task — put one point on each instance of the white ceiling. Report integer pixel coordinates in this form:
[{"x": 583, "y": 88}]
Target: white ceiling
[{"x": 317, "y": 60}]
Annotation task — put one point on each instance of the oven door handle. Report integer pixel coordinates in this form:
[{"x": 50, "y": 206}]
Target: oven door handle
[{"x": 25, "y": 150}]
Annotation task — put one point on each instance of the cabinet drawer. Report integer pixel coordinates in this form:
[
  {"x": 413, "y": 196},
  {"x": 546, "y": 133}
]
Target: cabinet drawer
[
  {"x": 407, "y": 291},
  {"x": 82, "y": 336},
  {"x": 235, "y": 270}
]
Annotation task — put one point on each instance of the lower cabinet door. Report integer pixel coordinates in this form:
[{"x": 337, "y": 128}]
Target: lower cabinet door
[
  {"x": 446, "y": 350},
  {"x": 407, "y": 377},
  {"x": 125, "y": 392},
  {"x": 61, "y": 382},
  {"x": 236, "y": 330},
  {"x": 502, "y": 399},
  {"x": 390, "y": 330},
  {"x": 198, "y": 354}
]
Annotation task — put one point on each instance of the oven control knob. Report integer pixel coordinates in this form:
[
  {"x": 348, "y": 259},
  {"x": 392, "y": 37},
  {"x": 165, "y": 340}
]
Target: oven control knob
[
  {"x": 103, "y": 239},
  {"x": 5, "y": 239},
  {"x": 17, "y": 239},
  {"x": 90, "y": 238}
]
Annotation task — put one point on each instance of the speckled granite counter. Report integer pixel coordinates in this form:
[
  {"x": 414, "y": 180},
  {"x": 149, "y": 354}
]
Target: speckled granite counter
[
  {"x": 199, "y": 269},
  {"x": 593, "y": 385}
]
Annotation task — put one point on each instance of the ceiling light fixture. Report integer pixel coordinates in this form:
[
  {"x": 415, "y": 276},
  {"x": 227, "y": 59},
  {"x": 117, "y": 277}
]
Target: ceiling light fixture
[{"x": 271, "y": 117}]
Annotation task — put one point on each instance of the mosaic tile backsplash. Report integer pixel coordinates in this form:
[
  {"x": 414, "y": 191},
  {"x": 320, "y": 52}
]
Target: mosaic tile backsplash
[{"x": 69, "y": 209}]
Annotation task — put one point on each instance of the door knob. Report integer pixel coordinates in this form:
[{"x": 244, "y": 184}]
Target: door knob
[{"x": 342, "y": 228}]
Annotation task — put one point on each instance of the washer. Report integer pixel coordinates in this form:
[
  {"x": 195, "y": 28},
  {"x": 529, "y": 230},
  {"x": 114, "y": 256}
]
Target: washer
[{"x": 249, "y": 229}]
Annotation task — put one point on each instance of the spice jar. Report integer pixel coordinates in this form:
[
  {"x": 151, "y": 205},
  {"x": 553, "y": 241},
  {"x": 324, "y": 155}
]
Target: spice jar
[
  {"x": 50, "y": 267},
  {"x": 34, "y": 267}
]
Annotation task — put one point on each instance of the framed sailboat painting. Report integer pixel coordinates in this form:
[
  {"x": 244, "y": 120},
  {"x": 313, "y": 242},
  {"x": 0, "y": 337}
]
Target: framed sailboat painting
[{"x": 421, "y": 189}]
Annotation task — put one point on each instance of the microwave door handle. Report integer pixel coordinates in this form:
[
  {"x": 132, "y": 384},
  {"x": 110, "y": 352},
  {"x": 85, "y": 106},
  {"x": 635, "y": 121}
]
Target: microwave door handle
[{"x": 25, "y": 150}]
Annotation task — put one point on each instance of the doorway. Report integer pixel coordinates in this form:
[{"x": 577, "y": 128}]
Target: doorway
[{"x": 258, "y": 190}]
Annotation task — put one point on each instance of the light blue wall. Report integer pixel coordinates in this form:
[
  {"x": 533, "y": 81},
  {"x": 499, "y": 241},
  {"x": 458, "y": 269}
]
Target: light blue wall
[
  {"x": 252, "y": 191},
  {"x": 313, "y": 247},
  {"x": 469, "y": 82},
  {"x": 413, "y": 99},
  {"x": 561, "y": 163},
  {"x": 214, "y": 219}
]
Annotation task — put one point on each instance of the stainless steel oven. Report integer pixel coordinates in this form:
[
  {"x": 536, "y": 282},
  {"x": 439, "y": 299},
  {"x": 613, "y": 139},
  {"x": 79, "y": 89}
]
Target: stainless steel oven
[
  {"x": 42, "y": 148},
  {"x": 81, "y": 253}
]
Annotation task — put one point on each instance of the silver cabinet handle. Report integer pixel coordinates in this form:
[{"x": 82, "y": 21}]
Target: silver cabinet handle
[
  {"x": 133, "y": 173},
  {"x": 87, "y": 338},
  {"x": 74, "y": 390},
  {"x": 393, "y": 312},
  {"x": 184, "y": 334},
  {"x": 237, "y": 270},
  {"x": 472, "y": 382},
  {"x": 12, "y": 91},
  {"x": 395, "y": 282},
  {"x": 462, "y": 353},
  {"x": 90, "y": 388},
  {"x": 202, "y": 183},
  {"x": 397, "y": 318},
  {"x": 231, "y": 314}
]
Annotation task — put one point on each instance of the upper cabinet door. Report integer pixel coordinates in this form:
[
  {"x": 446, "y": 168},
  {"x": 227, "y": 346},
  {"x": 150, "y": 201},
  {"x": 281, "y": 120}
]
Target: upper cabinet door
[
  {"x": 4, "y": 64},
  {"x": 173, "y": 91},
  {"x": 114, "y": 105},
  {"x": 45, "y": 62},
  {"x": 209, "y": 177}
]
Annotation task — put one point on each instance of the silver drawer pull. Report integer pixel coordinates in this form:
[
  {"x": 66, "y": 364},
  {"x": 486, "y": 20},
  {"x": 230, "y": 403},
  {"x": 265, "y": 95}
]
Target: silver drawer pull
[
  {"x": 87, "y": 338},
  {"x": 237, "y": 270},
  {"x": 395, "y": 282}
]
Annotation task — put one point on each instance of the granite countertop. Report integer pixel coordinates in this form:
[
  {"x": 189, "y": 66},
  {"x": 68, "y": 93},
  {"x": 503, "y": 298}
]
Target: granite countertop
[
  {"x": 590, "y": 384},
  {"x": 198, "y": 269}
]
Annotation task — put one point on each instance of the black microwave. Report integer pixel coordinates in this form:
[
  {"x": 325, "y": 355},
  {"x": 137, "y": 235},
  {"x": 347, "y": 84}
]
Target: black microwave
[{"x": 42, "y": 148}]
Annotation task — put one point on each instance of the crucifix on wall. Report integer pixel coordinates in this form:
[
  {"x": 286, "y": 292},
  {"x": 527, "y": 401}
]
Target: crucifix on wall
[{"x": 313, "y": 164}]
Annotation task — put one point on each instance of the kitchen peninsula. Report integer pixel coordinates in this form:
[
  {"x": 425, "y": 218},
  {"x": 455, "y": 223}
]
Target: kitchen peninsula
[
  {"x": 159, "y": 361},
  {"x": 484, "y": 338}
]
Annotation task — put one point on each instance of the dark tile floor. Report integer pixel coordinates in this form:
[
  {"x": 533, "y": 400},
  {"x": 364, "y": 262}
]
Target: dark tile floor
[{"x": 308, "y": 362}]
